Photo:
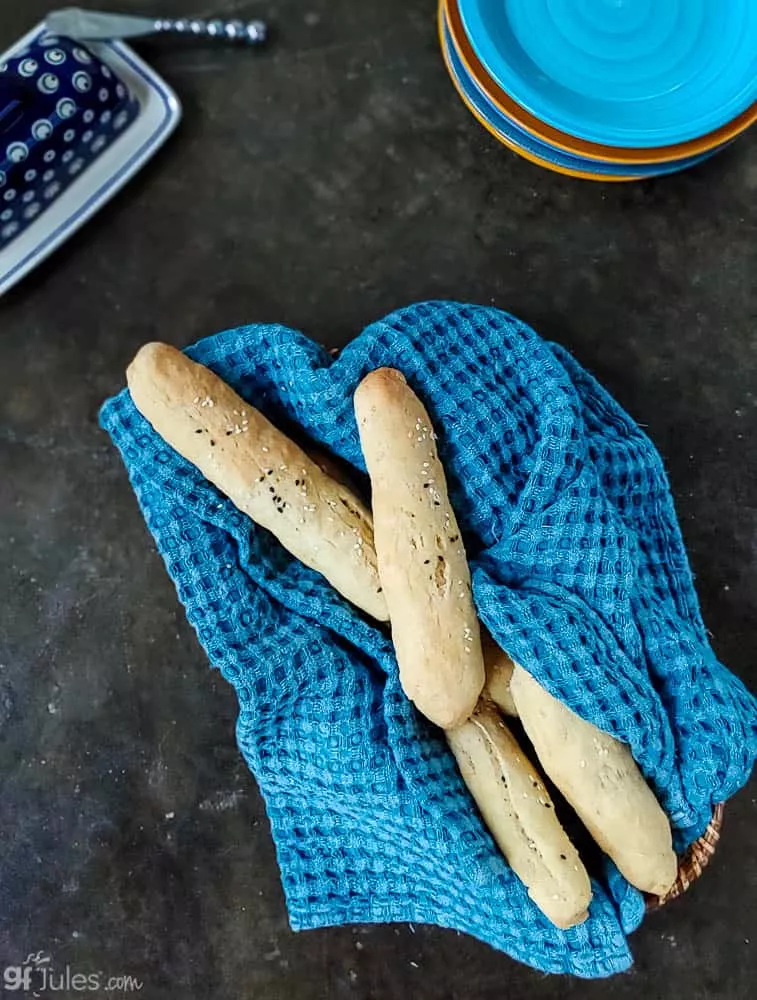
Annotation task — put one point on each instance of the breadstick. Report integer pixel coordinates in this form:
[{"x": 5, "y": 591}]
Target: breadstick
[
  {"x": 263, "y": 473},
  {"x": 420, "y": 552},
  {"x": 520, "y": 816},
  {"x": 600, "y": 779},
  {"x": 499, "y": 671}
]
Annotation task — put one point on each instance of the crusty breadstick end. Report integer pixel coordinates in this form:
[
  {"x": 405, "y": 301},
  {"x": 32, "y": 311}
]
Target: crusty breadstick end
[
  {"x": 264, "y": 473},
  {"x": 600, "y": 779},
  {"x": 420, "y": 552},
  {"x": 520, "y": 816},
  {"x": 499, "y": 672}
]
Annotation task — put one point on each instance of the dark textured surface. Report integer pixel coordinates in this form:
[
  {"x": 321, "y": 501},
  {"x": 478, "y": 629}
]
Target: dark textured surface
[{"x": 322, "y": 184}]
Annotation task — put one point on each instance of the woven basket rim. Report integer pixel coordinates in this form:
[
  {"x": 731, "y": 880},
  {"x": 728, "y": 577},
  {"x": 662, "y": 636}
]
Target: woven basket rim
[{"x": 693, "y": 862}]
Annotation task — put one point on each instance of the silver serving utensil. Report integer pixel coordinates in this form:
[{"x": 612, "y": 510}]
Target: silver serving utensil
[{"x": 90, "y": 26}]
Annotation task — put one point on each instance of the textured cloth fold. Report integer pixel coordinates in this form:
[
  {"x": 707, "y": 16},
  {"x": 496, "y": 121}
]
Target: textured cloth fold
[{"x": 579, "y": 571}]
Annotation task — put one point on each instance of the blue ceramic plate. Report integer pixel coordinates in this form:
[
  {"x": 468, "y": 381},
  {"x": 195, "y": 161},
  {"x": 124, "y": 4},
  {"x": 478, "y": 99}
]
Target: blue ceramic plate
[
  {"x": 513, "y": 135},
  {"x": 633, "y": 73}
]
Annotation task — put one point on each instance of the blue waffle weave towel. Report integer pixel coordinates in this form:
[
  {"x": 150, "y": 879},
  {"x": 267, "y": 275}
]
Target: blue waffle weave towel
[{"x": 579, "y": 571}]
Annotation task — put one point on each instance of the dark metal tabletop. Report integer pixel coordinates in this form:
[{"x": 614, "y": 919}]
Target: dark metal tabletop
[{"x": 322, "y": 183}]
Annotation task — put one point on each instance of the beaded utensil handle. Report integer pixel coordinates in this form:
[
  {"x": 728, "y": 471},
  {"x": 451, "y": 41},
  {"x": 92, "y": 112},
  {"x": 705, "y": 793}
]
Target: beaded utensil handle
[
  {"x": 90, "y": 25},
  {"x": 249, "y": 32}
]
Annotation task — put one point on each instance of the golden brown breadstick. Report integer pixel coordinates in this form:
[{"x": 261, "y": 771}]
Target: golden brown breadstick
[
  {"x": 266, "y": 475},
  {"x": 420, "y": 552},
  {"x": 520, "y": 816},
  {"x": 600, "y": 779}
]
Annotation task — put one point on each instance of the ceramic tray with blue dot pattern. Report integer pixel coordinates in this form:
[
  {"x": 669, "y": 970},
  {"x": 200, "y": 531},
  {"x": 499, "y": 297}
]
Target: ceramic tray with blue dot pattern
[
  {"x": 60, "y": 107},
  {"x": 76, "y": 122}
]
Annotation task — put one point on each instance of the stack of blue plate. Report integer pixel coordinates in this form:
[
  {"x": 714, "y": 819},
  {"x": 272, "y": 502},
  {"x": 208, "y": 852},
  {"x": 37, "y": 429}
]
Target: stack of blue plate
[{"x": 606, "y": 89}]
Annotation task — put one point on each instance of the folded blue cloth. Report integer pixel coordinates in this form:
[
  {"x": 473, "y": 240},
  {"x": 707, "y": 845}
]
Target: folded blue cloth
[{"x": 579, "y": 572}]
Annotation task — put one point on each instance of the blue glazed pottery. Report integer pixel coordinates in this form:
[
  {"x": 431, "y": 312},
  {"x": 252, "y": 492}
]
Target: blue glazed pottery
[
  {"x": 60, "y": 108},
  {"x": 626, "y": 73},
  {"x": 515, "y": 137}
]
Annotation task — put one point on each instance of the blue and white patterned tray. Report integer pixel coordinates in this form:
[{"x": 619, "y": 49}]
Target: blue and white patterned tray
[{"x": 147, "y": 121}]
